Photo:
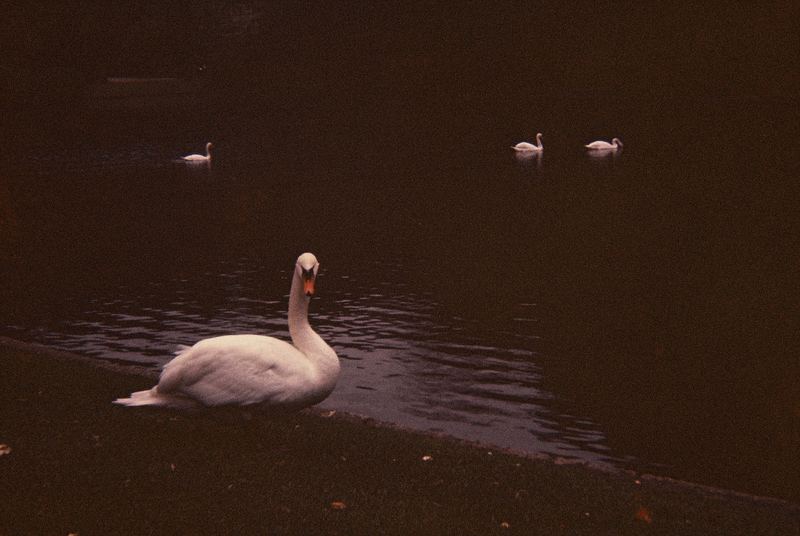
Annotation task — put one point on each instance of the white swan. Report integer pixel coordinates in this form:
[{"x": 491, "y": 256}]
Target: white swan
[
  {"x": 604, "y": 145},
  {"x": 525, "y": 146},
  {"x": 200, "y": 157},
  {"x": 252, "y": 370}
]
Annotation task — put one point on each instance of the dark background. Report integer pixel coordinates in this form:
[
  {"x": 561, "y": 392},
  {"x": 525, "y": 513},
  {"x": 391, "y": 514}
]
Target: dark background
[{"x": 514, "y": 51}]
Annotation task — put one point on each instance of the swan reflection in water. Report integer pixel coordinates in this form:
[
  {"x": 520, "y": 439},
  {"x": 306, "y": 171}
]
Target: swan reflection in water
[{"x": 530, "y": 158}]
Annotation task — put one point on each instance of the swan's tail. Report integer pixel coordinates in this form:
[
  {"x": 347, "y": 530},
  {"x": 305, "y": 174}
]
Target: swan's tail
[
  {"x": 151, "y": 397},
  {"x": 140, "y": 398}
]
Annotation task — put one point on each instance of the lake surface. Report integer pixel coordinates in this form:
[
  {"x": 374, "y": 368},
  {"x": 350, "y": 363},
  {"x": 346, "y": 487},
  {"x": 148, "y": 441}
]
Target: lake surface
[{"x": 629, "y": 309}]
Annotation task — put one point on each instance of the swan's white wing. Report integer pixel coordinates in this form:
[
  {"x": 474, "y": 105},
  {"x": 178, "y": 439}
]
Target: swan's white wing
[
  {"x": 237, "y": 370},
  {"x": 600, "y": 145}
]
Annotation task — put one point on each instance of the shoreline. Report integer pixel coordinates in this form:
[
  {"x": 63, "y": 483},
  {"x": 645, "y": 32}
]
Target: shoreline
[{"x": 77, "y": 463}]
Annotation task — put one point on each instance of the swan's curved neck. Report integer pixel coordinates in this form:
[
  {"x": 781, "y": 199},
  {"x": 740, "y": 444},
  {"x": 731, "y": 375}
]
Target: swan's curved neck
[
  {"x": 303, "y": 336},
  {"x": 539, "y": 140},
  {"x": 298, "y": 312}
]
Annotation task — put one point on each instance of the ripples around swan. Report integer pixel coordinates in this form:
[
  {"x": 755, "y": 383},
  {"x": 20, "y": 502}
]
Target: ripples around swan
[{"x": 405, "y": 360}]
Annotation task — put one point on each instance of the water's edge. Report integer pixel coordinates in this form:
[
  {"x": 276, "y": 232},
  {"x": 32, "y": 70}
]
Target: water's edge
[{"x": 672, "y": 484}]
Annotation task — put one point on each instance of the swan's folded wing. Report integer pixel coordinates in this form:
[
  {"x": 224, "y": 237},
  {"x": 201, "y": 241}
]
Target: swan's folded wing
[{"x": 235, "y": 370}]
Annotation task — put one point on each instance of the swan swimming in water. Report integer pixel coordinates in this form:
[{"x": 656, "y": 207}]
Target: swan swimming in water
[
  {"x": 525, "y": 146},
  {"x": 604, "y": 145},
  {"x": 200, "y": 157},
  {"x": 252, "y": 370}
]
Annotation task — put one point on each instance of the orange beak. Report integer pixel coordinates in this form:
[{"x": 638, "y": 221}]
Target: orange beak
[{"x": 308, "y": 286}]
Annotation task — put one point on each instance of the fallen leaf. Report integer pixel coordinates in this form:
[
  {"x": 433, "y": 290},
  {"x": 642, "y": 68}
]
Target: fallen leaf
[
  {"x": 643, "y": 514},
  {"x": 4, "y": 449},
  {"x": 505, "y": 525},
  {"x": 338, "y": 505},
  {"x": 330, "y": 413},
  {"x": 565, "y": 461},
  {"x": 427, "y": 458}
]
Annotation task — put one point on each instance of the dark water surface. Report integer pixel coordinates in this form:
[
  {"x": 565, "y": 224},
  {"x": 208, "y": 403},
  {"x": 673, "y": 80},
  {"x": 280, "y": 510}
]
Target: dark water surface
[{"x": 630, "y": 309}]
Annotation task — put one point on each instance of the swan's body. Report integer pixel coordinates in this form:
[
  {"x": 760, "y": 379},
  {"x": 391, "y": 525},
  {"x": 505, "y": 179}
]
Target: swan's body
[
  {"x": 604, "y": 145},
  {"x": 199, "y": 157},
  {"x": 252, "y": 370},
  {"x": 524, "y": 146}
]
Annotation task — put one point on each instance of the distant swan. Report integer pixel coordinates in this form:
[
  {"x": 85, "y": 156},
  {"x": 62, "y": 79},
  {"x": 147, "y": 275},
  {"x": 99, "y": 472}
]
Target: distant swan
[
  {"x": 200, "y": 157},
  {"x": 252, "y": 370},
  {"x": 525, "y": 146},
  {"x": 604, "y": 145}
]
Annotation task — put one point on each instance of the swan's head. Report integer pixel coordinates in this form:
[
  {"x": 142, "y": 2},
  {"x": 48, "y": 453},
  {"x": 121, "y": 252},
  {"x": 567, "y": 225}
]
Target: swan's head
[
  {"x": 538, "y": 136},
  {"x": 306, "y": 269},
  {"x": 209, "y": 146},
  {"x": 616, "y": 141}
]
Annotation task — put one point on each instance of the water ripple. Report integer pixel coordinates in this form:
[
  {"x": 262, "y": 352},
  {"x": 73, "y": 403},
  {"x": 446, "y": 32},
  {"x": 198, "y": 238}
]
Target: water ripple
[{"x": 403, "y": 357}]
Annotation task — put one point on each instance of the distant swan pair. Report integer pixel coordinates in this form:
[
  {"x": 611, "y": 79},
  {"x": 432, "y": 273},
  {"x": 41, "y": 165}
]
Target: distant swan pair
[{"x": 524, "y": 146}]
